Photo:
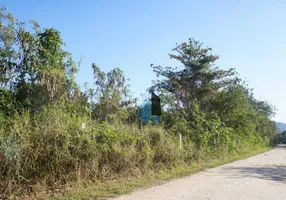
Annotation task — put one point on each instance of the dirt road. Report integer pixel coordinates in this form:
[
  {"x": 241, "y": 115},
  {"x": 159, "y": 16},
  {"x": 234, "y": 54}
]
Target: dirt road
[{"x": 260, "y": 177}]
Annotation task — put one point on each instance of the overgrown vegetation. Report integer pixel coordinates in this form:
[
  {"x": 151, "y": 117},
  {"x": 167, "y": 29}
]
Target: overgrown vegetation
[{"x": 43, "y": 145}]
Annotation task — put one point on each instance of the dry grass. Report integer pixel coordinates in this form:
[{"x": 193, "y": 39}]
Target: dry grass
[{"x": 127, "y": 185}]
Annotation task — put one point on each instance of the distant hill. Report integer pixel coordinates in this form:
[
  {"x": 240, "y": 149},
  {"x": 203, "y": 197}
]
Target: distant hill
[{"x": 281, "y": 126}]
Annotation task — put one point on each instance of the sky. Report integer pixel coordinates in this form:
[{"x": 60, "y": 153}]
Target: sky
[{"x": 248, "y": 35}]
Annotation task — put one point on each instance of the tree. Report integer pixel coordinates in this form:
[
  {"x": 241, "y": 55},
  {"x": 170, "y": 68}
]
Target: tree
[
  {"x": 10, "y": 35},
  {"x": 34, "y": 67},
  {"x": 198, "y": 79},
  {"x": 213, "y": 103},
  {"x": 111, "y": 94}
]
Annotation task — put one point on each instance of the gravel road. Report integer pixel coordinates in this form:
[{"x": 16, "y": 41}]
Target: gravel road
[{"x": 260, "y": 177}]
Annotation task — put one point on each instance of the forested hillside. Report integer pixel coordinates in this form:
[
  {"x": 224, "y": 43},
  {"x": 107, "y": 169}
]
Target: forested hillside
[{"x": 43, "y": 145}]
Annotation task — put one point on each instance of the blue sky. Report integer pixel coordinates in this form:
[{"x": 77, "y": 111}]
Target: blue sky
[{"x": 249, "y": 35}]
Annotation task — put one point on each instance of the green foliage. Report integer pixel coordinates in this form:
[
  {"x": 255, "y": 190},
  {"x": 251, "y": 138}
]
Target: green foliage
[
  {"x": 42, "y": 110},
  {"x": 57, "y": 149},
  {"x": 198, "y": 80},
  {"x": 210, "y": 106},
  {"x": 111, "y": 99},
  {"x": 33, "y": 65},
  {"x": 7, "y": 99}
]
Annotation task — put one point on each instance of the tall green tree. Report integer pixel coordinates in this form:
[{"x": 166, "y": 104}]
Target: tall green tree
[
  {"x": 198, "y": 78},
  {"x": 34, "y": 66}
]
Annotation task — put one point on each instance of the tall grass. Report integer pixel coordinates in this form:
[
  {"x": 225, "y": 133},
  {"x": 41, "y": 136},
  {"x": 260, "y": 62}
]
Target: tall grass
[{"x": 52, "y": 149}]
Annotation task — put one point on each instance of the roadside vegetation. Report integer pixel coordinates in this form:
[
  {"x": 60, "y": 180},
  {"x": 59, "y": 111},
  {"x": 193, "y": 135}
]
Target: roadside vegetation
[
  {"x": 280, "y": 138},
  {"x": 45, "y": 149}
]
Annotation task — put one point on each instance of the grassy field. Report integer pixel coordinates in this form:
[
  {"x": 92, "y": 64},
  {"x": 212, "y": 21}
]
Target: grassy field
[{"x": 125, "y": 185}]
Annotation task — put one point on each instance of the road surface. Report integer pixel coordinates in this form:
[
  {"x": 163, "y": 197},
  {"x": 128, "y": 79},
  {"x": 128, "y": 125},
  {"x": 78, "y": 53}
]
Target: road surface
[{"x": 260, "y": 177}]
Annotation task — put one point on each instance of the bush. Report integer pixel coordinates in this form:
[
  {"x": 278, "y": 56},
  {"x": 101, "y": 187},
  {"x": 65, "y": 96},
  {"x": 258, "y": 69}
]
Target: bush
[{"x": 53, "y": 149}]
